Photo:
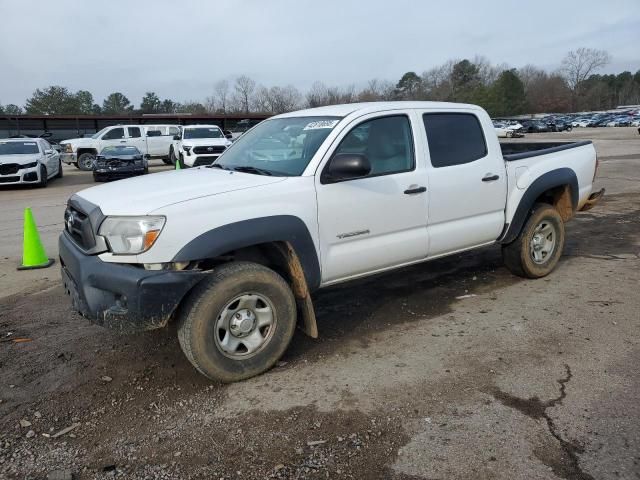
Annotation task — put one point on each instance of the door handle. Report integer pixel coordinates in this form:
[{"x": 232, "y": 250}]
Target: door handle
[
  {"x": 123, "y": 141},
  {"x": 490, "y": 178},
  {"x": 410, "y": 191}
]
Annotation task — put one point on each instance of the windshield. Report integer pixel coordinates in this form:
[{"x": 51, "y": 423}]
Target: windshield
[
  {"x": 282, "y": 146},
  {"x": 18, "y": 148},
  {"x": 204, "y": 132},
  {"x": 120, "y": 150},
  {"x": 98, "y": 134}
]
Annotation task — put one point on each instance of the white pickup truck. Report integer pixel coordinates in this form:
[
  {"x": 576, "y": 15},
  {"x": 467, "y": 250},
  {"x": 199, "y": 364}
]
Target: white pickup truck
[
  {"x": 305, "y": 200},
  {"x": 152, "y": 140}
]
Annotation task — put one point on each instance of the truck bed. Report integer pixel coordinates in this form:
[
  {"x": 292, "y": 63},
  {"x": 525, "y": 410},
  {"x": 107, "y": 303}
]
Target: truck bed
[{"x": 512, "y": 151}]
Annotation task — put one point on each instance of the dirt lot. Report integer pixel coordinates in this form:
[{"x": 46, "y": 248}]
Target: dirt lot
[{"x": 521, "y": 380}]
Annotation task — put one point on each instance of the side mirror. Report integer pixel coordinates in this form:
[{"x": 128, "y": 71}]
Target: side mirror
[
  {"x": 48, "y": 151},
  {"x": 346, "y": 166},
  {"x": 228, "y": 135},
  {"x": 146, "y": 156},
  {"x": 176, "y": 137}
]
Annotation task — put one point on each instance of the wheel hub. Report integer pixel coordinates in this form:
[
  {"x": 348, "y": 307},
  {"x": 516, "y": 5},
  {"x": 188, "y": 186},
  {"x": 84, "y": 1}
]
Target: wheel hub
[
  {"x": 538, "y": 242},
  {"x": 242, "y": 323}
]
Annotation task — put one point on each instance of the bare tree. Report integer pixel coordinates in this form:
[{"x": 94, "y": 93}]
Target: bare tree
[
  {"x": 221, "y": 95},
  {"x": 245, "y": 87},
  {"x": 579, "y": 64},
  {"x": 317, "y": 96}
]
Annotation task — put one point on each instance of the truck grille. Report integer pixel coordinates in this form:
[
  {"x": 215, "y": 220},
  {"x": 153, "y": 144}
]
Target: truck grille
[
  {"x": 210, "y": 150},
  {"x": 9, "y": 168},
  {"x": 81, "y": 222},
  {"x": 77, "y": 224}
]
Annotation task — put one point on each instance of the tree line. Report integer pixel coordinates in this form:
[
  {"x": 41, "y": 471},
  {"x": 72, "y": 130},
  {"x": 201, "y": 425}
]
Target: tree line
[{"x": 501, "y": 90}]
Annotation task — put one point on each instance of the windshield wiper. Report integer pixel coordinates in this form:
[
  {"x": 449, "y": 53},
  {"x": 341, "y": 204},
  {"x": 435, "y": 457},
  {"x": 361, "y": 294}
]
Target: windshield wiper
[{"x": 250, "y": 169}]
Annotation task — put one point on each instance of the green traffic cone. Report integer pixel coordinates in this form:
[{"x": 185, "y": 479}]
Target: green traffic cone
[
  {"x": 178, "y": 167},
  {"x": 33, "y": 254}
]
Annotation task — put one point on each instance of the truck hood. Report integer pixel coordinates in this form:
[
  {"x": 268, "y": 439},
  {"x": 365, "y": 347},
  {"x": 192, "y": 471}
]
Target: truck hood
[
  {"x": 142, "y": 195},
  {"x": 78, "y": 141},
  {"x": 19, "y": 159}
]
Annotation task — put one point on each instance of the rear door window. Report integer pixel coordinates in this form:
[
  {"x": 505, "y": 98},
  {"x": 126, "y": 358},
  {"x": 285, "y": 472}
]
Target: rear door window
[
  {"x": 134, "y": 132},
  {"x": 454, "y": 138}
]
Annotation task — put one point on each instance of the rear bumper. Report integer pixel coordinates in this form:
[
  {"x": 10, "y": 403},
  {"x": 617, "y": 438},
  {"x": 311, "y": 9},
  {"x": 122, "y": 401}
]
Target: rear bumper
[
  {"x": 593, "y": 199},
  {"x": 118, "y": 296}
]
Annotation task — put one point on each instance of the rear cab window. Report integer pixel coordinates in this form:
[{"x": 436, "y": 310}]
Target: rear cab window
[{"x": 454, "y": 138}]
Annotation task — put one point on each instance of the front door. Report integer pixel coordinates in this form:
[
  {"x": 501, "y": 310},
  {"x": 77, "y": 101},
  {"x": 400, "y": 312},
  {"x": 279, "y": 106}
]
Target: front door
[
  {"x": 379, "y": 221},
  {"x": 114, "y": 137}
]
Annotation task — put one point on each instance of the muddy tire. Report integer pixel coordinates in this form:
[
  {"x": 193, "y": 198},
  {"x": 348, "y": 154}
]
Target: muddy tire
[
  {"x": 536, "y": 251},
  {"x": 85, "y": 162},
  {"x": 238, "y": 322},
  {"x": 172, "y": 156}
]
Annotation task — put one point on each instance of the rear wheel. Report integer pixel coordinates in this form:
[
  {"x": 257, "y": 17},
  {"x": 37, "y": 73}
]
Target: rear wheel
[
  {"x": 172, "y": 156},
  {"x": 238, "y": 322},
  {"x": 85, "y": 162},
  {"x": 181, "y": 161},
  {"x": 536, "y": 251}
]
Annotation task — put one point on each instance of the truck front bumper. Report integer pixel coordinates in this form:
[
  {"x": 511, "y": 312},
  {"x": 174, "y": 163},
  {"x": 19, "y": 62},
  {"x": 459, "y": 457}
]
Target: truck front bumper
[
  {"x": 119, "y": 296},
  {"x": 69, "y": 158}
]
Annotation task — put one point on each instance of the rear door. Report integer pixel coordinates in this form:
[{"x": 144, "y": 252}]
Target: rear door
[
  {"x": 137, "y": 139},
  {"x": 379, "y": 221},
  {"x": 467, "y": 181}
]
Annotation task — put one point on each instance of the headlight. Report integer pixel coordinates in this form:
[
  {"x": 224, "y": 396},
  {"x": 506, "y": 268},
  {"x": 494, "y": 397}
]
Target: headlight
[
  {"x": 68, "y": 148},
  {"x": 131, "y": 235},
  {"x": 30, "y": 165},
  {"x": 187, "y": 149}
]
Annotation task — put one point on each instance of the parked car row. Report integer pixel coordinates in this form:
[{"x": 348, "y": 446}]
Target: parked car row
[{"x": 626, "y": 118}]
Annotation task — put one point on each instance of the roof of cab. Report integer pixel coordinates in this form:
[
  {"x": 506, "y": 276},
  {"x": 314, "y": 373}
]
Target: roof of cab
[{"x": 372, "y": 107}]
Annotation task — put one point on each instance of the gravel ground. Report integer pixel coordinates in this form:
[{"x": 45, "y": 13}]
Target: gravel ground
[{"x": 520, "y": 379}]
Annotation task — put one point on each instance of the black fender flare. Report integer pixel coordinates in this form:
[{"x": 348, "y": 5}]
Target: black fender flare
[
  {"x": 254, "y": 231},
  {"x": 553, "y": 179}
]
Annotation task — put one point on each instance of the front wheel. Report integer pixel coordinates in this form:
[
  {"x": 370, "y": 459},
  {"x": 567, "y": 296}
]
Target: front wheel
[
  {"x": 85, "y": 162},
  {"x": 43, "y": 177},
  {"x": 238, "y": 322},
  {"x": 536, "y": 251}
]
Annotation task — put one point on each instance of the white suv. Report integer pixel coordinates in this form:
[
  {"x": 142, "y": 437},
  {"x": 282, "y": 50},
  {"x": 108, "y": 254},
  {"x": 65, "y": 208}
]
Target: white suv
[{"x": 198, "y": 145}]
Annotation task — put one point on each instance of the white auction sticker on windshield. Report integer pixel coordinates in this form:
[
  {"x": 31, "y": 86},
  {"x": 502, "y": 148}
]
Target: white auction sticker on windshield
[{"x": 321, "y": 124}]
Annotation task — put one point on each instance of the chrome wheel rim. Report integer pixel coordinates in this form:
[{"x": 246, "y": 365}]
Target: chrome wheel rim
[
  {"x": 244, "y": 326},
  {"x": 543, "y": 242},
  {"x": 87, "y": 162}
]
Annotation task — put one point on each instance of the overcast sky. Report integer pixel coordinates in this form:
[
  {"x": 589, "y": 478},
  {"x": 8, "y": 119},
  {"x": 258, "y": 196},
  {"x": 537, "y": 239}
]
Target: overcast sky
[{"x": 180, "y": 48}]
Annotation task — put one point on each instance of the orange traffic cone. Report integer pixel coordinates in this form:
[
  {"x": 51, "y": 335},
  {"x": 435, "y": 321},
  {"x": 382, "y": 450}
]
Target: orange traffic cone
[{"x": 33, "y": 253}]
